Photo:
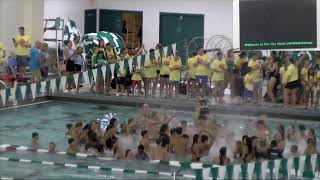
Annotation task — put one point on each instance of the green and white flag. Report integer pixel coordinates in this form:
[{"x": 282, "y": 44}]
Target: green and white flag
[
  {"x": 236, "y": 171},
  {"x": 53, "y": 85},
  {"x": 250, "y": 170},
  {"x": 222, "y": 172},
  {"x": 13, "y": 93},
  {"x": 3, "y": 96},
  {"x": 264, "y": 165},
  {"x": 139, "y": 61},
  {"x": 70, "y": 31},
  {"x": 33, "y": 90},
  {"x": 276, "y": 167},
  {"x": 302, "y": 160},
  {"x": 130, "y": 64},
  {"x": 43, "y": 87},
  {"x": 174, "y": 48},
  {"x": 76, "y": 78},
  {"x": 112, "y": 70},
  {"x": 63, "y": 82},
  {"x": 147, "y": 59},
  {"x": 104, "y": 70},
  {"x": 165, "y": 51},
  {"x": 113, "y": 39},
  {"x": 85, "y": 78},
  {"x": 313, "y": 162},
  {"x": 289, "y": 166},
  {"x": 23, "y": 91},
  {"x": 94, "y": 73}
]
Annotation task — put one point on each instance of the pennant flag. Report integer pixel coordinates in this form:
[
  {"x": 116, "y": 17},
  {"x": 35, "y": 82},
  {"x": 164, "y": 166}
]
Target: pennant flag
[
  {"x": 13, "y": 93},
  {"x": 53, "y": 85},
  {"x": 121, "y": 64},
  {"x": 130, "y": 64},
  {"x": 289, "y": 167},
  {"x": 264, "y": 165},
  {"x": 250, "y": 170},
  {"x": 43, "y": 87},
  {"x": 276, "y": 167},
  {"x": 23, "y": 91},
  {"x": 94, "y": 73},
  {"x": 139, "y": 61},
  {"x": 165, "y": 51},
  {"x": 33, "y": 90},
  {"x": 236, "y": 171},
  {"x": 206, "y": 173},
  {"x": 76, "y": 78},
  {"x": 157, "y": 55},
  {"x": 313, "y": 162},
  {"x": 147, "y": 59},
  {"x": 63, "y": 82},
  {"x": 3, "y": 96},
  {"x": 103, "y": 70},
  {"x": 302, "y": 160},
  {"x": 174, "y": 48},
  {"x": 85, "y": 76},
  {"x": 112, "y": 70},
  {"x": 222, "y": 172}
]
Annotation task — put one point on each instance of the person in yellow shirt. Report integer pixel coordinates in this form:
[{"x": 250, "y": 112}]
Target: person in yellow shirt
[
  {"x": 164, "y": 76},
  {"x": 175, "y": 67},
  {"x": 191, "y": 75},
  {"x": 292, "y": 83},
  {"x": 310, "y": 84},
  {"x": 303, "y": 76},
  {"x": 22, "y": 43},
  {"x": 249, "y": 84},
  {"x": 218, "y": 68},
  {"x": 136, "y": 79},
  {"x": 256, "y": 67},
  {"x": 122, "y": 73},
  {"x": 2, "y": 54},
  {"x": 202, "y": 69},
  {"x": 111, "y": 58},
  {"x": 150, "y": 71}
]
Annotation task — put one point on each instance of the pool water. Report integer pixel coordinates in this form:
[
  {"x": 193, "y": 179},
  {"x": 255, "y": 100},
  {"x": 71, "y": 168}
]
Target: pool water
[{"x": 50, "y": 119}]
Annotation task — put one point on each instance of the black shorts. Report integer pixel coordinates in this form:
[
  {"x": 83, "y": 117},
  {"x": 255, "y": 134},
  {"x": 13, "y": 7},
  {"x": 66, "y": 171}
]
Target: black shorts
[
  {"x": 77, "y": 67},
  {"x": 292, "y": 85},
  {"x": 158, "y": 72},
  {"x": 121, "y": 80},
  {"x": 70, "y": 66},
  {"x": 164, "y": 76}
]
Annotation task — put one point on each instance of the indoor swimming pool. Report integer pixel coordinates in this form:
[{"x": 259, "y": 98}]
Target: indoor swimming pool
[{"x": 50, "y": 120}]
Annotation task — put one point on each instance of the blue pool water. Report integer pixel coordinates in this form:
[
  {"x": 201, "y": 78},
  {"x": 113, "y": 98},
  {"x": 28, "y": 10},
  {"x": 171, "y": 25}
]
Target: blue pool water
[{"x": 50, "y": 119}]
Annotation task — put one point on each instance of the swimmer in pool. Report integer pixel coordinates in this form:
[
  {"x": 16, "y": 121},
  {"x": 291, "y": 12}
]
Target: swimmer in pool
[
  {"x": 52, "y": 147},
  {"x": 73, "y": 146},
  {"x": 35, "y": 141},
  {"x": 145, "y": 140}
]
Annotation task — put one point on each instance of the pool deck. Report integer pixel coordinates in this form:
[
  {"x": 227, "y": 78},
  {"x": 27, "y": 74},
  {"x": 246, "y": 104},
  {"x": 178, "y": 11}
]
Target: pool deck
[{"x": 184, "y": 104}]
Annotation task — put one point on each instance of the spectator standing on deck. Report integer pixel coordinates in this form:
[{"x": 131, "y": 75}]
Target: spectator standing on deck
[
  {"x": 22, "y": 42},
  {"x": 34, "y": 62},
  {"x": 2, "y": 54}
]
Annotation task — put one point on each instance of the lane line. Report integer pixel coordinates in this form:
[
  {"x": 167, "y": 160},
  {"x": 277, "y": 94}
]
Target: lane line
[{"x": 25, "y": 105}]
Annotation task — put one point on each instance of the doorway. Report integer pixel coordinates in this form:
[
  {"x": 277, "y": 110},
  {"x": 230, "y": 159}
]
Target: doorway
[{"x": 127, "y": 24}]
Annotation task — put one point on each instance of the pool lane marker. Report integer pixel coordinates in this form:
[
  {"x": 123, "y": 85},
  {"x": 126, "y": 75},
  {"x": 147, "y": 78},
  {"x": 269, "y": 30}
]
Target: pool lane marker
[
  {"x": 8, "y": 147},
  {"x": 6, "y": 178},
  {"x": 185, "y": 165},
  {"x": 85, "y": 166},
  {"x": 25, "y": 105}
]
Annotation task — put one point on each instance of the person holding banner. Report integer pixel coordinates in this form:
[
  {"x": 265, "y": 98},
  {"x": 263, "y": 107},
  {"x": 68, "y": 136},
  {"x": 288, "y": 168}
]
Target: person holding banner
[
  {"x": 164, "y": 76},
  {"x": 111, "y": 57},
  {"x": 97, "y": 62},
  {"x": 121, "y": 76},
  {"x": 69, "y": 54}
]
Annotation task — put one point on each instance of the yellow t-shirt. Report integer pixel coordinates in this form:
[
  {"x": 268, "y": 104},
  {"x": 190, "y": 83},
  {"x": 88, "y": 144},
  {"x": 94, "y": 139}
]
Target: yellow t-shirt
[
  {"x": 293, "y": 73},
  {"x": 164, "y": 70},
  {"x": 201, "y": 69},
  {"x": 2, "y": 49},
  {"x": 191, "y": 68},
  {"x": 283, "y": 75},
  {"x": 175, "y": 66},
  {"x": 249, "y": 81},
  {"x": 22, "y": 50},
  {"x": 218, "y": 72},
  {"x": 255, "y": 70},
  {"x": 318, "y": 75},
  {"x": 150, "y": 69},
  {"x": 304, "y": 74},
  {"x": 136, "y": 75}
]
